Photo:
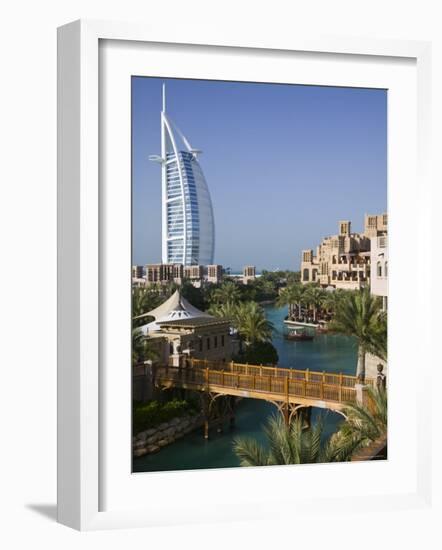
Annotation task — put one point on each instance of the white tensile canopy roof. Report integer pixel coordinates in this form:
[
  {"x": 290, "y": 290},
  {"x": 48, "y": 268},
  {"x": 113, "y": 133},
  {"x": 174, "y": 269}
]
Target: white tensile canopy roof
[{"x": 175, "y": 308}]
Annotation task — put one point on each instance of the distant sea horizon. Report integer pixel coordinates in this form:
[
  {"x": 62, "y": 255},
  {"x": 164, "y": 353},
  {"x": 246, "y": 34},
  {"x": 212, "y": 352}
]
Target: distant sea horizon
[{"x": 239, "y": 272}]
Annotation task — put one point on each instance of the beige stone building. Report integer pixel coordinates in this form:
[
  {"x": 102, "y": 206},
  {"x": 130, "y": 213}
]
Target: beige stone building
[
  {"x": 249, "y": 274},
  {"x": 137, "y": 272},
  {"x": 194, "y": 274},
  {"x": 180, "y": 330},
  {"x": 343, "y": 260},
  {"x": 138, "y": 279},
  {"x": 379, "y": 268},
  {"x": 378, "y": 287},
  {"x": 214, "y": 273},
  {"x": 164, "y": 273},
  {"x": 375, "y": 225}
]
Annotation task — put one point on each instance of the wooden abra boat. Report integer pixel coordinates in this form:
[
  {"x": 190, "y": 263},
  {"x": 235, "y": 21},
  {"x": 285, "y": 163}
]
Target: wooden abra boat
[{"x": 298, "y": 334}]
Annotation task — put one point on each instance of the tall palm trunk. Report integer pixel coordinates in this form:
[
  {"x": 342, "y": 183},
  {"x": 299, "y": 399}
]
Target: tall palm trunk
[{"x": 360, "y": 369}]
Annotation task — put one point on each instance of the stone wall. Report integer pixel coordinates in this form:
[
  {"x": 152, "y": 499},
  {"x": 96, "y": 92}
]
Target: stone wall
[
  {"x": 151, "y": 441},
  {"x": 142, "y": 385},
  {"x": 376, "y": 450}
]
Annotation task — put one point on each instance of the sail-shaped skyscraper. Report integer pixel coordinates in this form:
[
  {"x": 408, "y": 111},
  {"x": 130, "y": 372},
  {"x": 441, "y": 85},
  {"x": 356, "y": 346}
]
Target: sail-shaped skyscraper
[{"x": 188, "y": 230}]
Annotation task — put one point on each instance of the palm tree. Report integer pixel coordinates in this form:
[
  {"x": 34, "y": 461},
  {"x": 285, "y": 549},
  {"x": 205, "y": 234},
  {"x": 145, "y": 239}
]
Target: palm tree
[
  {"x": 141, "y": 348},
  {"x": 252, "y": 324},
  {"x": 265, "y": 288},
  {"x": 287, "y": 444},
  {"x": 285, "y": 299},
  {"x": 228, "y": 292},
  {"x": 364, "y": 425},
  {"x": 359, "y": 315},
  {"x": 333, "y": 298},
  {"x": 144, "y": 300},
  {"x": 379, "y": 344},
  {"x": 227, "y": 310},
  {"x": 298, "y": 295},
  {"x": 290, "y": 296},
  {"x": 252, "y": 327},
  {"x": 315, "y": 296}
]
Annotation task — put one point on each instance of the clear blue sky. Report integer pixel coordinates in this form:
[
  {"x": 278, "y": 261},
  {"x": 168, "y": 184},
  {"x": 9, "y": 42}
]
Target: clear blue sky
[{"x": 283, "y": 163}]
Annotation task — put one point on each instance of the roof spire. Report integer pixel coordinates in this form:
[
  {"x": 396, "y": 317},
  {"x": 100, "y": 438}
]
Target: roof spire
[{"x": 164, "y": 97}]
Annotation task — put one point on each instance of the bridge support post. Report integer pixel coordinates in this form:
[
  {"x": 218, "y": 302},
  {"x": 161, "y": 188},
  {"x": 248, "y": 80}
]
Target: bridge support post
[
  {"x": 205, "y": 409},
  {"x": 307, "y": 416},
  {"x": 286, "y": 407},
  {"x": 232, "y": 412},
  {"x": 361, "y": 390}
]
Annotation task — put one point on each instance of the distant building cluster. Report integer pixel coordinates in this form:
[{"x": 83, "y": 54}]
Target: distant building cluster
[
  {"x": 178, "y": 273},
  {"x": 351, "y": 260}
]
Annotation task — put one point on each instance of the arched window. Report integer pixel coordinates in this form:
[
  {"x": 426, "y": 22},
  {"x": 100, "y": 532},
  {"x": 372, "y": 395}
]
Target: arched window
[
  {"x": 379, "y": 269},
  {"x": 386, "y": 269},
  {"x": 305, "y": 275}
]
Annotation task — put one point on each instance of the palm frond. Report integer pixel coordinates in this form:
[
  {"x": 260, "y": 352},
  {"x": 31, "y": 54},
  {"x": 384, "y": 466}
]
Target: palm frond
[{"x": 250, "y": 452}]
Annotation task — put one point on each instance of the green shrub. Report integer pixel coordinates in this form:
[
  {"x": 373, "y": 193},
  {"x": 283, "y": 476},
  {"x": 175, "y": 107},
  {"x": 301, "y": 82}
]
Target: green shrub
[
  {"x": 152, "y": 414},
  {"x": 260, "y": 353}
]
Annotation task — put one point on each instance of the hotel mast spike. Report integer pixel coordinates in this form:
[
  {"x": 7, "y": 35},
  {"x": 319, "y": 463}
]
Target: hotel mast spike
[{"x": 164, "y": 97}]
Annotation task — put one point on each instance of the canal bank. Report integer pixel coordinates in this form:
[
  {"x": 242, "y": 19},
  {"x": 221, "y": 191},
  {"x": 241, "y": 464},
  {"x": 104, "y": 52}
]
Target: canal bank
[{"x": 332, "y": 353}]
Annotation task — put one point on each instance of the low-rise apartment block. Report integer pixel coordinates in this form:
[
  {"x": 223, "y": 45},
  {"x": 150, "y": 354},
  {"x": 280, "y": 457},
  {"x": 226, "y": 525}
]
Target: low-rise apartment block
[
  {"x": 164, "y": 273},
  {"x": 138, "y": 276},
  {"x": 137, "y": 272},
  {"x": 214, "y": 273},
  {"x": 194, "y": 272},
  {"x": 177, "y": 273}
]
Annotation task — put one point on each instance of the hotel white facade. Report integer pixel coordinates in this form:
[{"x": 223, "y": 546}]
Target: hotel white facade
[
  {"x": 188, "y": 229},
  {"x": 379, "y": 268}
]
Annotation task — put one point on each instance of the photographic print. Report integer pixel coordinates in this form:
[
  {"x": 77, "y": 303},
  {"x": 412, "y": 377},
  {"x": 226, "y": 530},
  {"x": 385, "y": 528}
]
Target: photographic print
[{"x": 259, "y": 274}]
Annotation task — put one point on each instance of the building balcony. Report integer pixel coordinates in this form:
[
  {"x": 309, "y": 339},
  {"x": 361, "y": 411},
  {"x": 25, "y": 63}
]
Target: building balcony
[{"x": 350, "y": 277}]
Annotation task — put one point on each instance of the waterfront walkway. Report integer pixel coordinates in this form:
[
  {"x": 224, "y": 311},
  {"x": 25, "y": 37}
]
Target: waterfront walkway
[{"x": 288, "y": 389}]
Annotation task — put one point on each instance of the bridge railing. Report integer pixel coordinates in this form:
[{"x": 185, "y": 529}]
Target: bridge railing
[
  {"x": 324, "y": 377},
  {"x": 284, "y": 386}
]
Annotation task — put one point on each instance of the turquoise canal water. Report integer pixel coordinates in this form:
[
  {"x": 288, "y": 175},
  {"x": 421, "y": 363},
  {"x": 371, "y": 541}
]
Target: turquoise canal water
[{"x": 333, "y": 353}]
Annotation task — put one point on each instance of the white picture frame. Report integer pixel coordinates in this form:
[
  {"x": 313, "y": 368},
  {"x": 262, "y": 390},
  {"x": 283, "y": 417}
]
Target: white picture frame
[{"x": 80, "y": 395}]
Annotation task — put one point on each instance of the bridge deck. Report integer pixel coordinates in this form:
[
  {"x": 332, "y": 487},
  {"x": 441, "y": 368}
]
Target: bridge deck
[{"x": 290, "y": 386}]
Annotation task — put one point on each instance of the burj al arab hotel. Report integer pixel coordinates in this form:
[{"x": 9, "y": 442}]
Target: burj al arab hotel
[{"x": 188, "y": 231}]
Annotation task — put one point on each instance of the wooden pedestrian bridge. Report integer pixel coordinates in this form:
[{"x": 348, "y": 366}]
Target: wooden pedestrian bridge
[{"x": 288, "y": 389}]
